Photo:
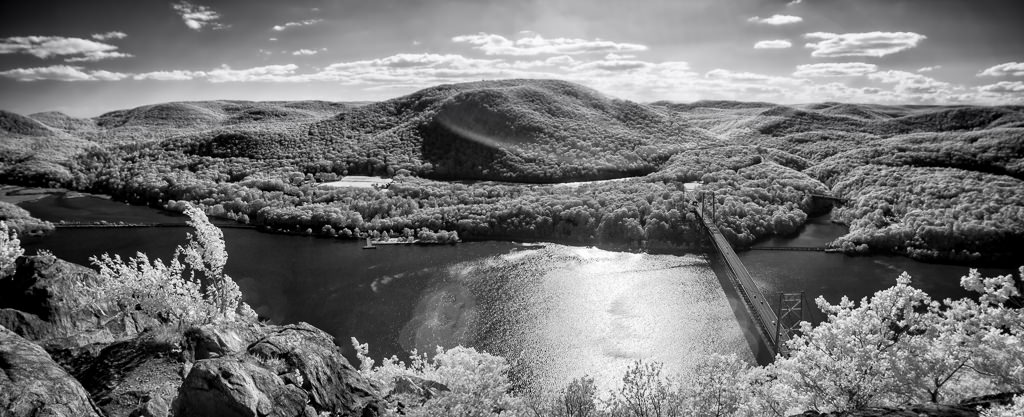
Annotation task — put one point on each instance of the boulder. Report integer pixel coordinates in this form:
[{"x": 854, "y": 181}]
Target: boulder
[
  {"x": 143, "y": 370},
  {"x": 333, "y": 384},
  {"x": 236, "y": 386},
  {"x": 37, "y": 303},
  {"x": 32, "y": 384},
  {"x": 418, "y": 388},
  {"x": 212, "y": 341}
]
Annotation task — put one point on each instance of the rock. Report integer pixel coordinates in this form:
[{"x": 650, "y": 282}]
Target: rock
[
  {"x": 932, "y": 410},
  {"x": 32, "y": 384},
  {"x": 422, "y": 389},
  {"x": 235, "y": 386},
  {"x": 36, "y": 303},
  {"x": 143, "y": 370},
  {"x": 333, "y": 384},
  {"x": 213, "y": 341},
  {"x": 154, "y": 407},
  {"x": 988, "y": 401},
  {"x": 411, "y": 390}
]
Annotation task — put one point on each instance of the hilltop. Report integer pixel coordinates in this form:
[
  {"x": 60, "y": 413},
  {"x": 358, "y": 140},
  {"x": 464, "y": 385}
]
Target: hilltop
[{"x": 935, "y": 182}]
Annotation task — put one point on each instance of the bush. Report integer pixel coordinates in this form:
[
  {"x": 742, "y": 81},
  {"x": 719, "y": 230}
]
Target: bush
[
  {"x": 172, "y": 291},
  {"x": 10, "y": 248}
]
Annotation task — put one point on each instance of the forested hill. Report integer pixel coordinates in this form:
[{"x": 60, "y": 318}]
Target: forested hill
[{"x": 942, "y": 182}]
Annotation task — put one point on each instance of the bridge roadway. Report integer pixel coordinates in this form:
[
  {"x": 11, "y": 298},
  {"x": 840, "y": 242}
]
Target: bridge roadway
[{"x": 760, "y": 310}]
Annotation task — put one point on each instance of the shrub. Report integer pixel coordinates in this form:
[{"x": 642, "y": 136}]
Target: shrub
[
  {"x": 172, "y": 291},
  {"x": 10, "y": 248}
]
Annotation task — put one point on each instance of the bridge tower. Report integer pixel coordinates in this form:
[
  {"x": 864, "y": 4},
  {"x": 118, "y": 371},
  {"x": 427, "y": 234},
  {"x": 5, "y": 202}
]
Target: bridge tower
[
  {"x": 790, "y": 314},
  {"x": 709, "y": 204}
]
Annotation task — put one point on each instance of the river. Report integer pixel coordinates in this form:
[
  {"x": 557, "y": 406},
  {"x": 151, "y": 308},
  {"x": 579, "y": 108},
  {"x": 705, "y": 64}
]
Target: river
[
  {"x": 556, "y": 312},
  {"x": 834, "y": 275}
]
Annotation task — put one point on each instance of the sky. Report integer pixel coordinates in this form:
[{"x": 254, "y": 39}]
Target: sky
[{"x": 88, "y": 57}]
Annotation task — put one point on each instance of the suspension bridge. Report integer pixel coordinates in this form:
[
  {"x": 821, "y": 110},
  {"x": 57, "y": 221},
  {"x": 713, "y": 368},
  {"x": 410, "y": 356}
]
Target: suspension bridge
[{"x": 774, "y": 327}]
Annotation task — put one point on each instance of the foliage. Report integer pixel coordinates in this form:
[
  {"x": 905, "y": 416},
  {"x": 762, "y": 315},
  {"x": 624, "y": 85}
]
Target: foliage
[
  {"x": 933, "y": 213},
  {"x": 190, "y": 289},
  {"x": 259, "y": 163},
  {"x": 478, "y": 382},
  {"x": 19, "y": 219},
  {"x": 896, "y": 348},
  {"x": 10, "y": 248},
  {"x": 900, "y": 347}
]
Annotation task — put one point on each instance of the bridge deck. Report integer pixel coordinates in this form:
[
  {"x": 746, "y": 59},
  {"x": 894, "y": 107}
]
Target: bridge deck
[{"x": 759, "y": 308}]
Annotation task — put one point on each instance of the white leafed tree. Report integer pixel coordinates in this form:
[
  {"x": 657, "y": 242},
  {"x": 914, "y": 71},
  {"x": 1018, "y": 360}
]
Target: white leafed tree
[
  {"x": 190, "y": 289},
  {"x": 10, "y": 248}
]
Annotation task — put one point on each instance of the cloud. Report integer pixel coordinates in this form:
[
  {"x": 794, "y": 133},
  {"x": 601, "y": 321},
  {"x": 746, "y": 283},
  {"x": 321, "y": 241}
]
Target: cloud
[
  {"x": 196, "y": 17},
  {"x": 875, "y": 44},
  {"x": 1012, "y": 87},
  {"x": 296, "y": 24},
  {"x": 835, "y": 69},
  {"x": 278, "y": 73},
  {"x": 776, "y": 20},
  {"x": 307, "y": 52},
  {"x": 794, "y": 3},
  {"x": 175, "y": 75},
  {"x": 750, "y": 77},
  {"x": 929, "y": 69},
  {"x": 61, "y": 73},
  {"x": 493, "y": 44},
  {"x": 75, "y": 49},
  {"x": 773, "y": 44},
  {"x": 910, "y": 83},
  {"x": 1010, "y": 68},
  {"x": 109, "y": 36}
]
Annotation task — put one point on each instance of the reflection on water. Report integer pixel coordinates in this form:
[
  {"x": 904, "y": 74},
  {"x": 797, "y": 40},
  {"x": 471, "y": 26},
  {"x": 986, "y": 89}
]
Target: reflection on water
[{"x": 557, "y": 312}]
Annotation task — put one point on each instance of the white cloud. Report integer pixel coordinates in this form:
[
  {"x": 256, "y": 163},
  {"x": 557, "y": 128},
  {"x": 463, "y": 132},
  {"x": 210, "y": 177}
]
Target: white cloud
[
  {"x": 493, "y": 44},
  {"x": 75, "y": 49},
  {"x": 1002, "y": 70},
  {"x": 175, "y": 75},
  {"x": 61, "y": 73},
  {"x": 875, "y": 44},
  {"x": 750, "y": 77},
  {"x": 305, "y": 52},
  {"x": 197, "y": 17},
  {"x": 929, "y": 69},
  {"x": 296, "y": 24},
  {"x": 835, "y": 69},
  {"x": 1012, "y": 87},
  {"x": 273, "y": 73},
  {"x": 776, "y": 20},
  {"x": 109, "y": 36},
  {"x": 794, "y": 3},
  {"x": 910, "y": 83},
  {"x": 773, "y": 44}
]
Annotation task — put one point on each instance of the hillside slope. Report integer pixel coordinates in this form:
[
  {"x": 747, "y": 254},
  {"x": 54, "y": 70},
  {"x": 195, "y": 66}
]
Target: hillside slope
[{"x": 262, "y": 162}]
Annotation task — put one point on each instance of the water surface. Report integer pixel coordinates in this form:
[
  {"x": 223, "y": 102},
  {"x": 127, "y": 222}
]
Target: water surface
[{"x": 556, "y": 312}]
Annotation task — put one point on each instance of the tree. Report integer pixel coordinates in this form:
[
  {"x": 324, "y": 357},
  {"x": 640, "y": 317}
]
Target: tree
[
  {"x": 173, "y": 291},
  {"x": 10, "y": 248}
]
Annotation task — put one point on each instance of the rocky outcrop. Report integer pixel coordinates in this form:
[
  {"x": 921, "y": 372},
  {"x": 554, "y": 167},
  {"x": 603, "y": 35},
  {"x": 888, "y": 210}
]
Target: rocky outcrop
[
  {"x": 133, "y": 365},
  {"x": 333, "y": 384},
  {"x": 36, "y": 303},
  {"x": 237, "y": 386},
  {"x": 32, "y": 384},
  {"x": 146, "y": 370},
  {"x": 293, "y": 370}
]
